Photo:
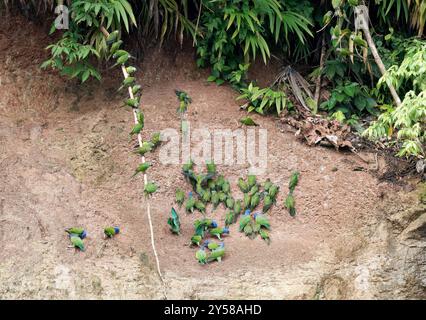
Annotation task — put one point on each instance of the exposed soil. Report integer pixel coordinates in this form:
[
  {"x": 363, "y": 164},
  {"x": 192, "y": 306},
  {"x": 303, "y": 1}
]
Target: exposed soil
[{"x": 65, "y": 160}]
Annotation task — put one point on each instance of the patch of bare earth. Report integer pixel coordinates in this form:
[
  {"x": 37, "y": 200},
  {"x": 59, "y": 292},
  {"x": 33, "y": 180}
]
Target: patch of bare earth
[{"x": 65, "y": 160}]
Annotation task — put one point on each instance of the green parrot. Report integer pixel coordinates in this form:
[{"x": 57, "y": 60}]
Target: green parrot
[
  {"x": 212, "y": 245},
  {"x": 113, "y": 36},
  {"x": 216, "y": 254},
  {"x": 219, "y": 232},
  {"x": 238, "y": 206},
  {"x": 144, "y": 148},
  {"x": 136, "y": 129},
  {"x": 273, "y": 191},
  {"x": 219, "y": 182},
  {"x": 215, "y": 199},
  {"x": 290, "y": 205},
  {"x": 76, "y": 231},
  {"x": 121, "y": 60},
  {"x": 156, "y": 138},
  {"x": 255, "y": 199},
  {"x": 211, "y": 168},
  {"x": 128, "y": 82},
  {"x": 246, "y": 200},
  {"x": 201, "y": 256},
  {"x": 265, "y": 236},
  {"x": 111, "y": 231},
  {"x": 196, "y": 239},
  {"x": 77, "y": 242},
  {"x": 267, "y": 203},
  {"x": 204, "y": 224},
  {"x": 135, "y": 89},
  {"x": 188, "y": 166},
  {"x": 206, "y": 196},
  {"x": 130, "y": 69},
  {"x": 174, "y": 222},
  {"x": 251, "y": 180},
  {"x": 142, "y": 168},
  {"x": 226, "y": 187},
  {"x": 212, "y": 185},
  {"x": 134, "y": 103},
  {"x": 229, "y": 218},
  {"x": 248, "y": 229},
  {"x": 199, "y": 205},
  {"x": 180, "y": 197},
  {"x": 294, "y": 179},
  {"x": 115, "y": 46},
  {"x": 230, "y": 202},
  {"x": 268, "y": 184},
  {"x": 184, "y": 101},
  {"x": 222, "y": 196},
  {"x": 262, "y": 220},
  {"x": 248, "y": 121},
  {"x": 120, "y": 53},
  {"x": 150, "y": 188},
  {"x": 243, "y": 185},
  {"x": 190, "y": 203},
  {"x": 245, "y": 219},
  {"x": 254, "y": 190},
  {"x": 140, "y": 117}
]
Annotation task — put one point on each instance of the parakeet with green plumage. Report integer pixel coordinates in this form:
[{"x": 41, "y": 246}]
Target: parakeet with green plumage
[
  {"x": 216, "y": 254},
  {"x": 113, "y": 36},
  {"x": 219, "y": 232},
  {"x": 246, "y": 201},
  {"x": 262, "y": 220},
  {"x": 254, "y": 190},
  {"x": 248, "y": 121},
  {"x": 201, "y": 256},
  {"x": 115, "y": 46},
  {"x": 111, "y": 231},
  {"x": 267, "y": 203},
  {"x": 190, "y": 203},
  {"x": 150, "y": 188},
  {"x": 251, "y": 180},
  {"x": 230, "y": 202},
  {"x": 229, "y": 218},
  {"x": 255, "y": 200},
  {"x": 77, "y": 242},
  {"x": 273, "y": 191},
  {"x": 248, "y": 229},
  {"x": 184, "y": 101},
  {"x": 129, "y": 81},
  {"x": 174, "y": 222},
  {"x": 290, "y": 205},
  {"x": 200, "y": 206},
  {"x": 222, "y": 196},
  {"x": 226, "y": 187},
  {"x": 238, "y": 206},
  {"x": 213, "y": 245},
  {"x": 206, "y": 196},
  {"x": 180, "y": 197},
  {"x": 80, "y": 232},
  {"x": 294, "y": 179},
  {"x": 243, "y": 185},
  {"x": 196, "y": 239},
  {"x": 142, "y": 168},
  {"x": 265, "y": 235},
  {"x": 144, "y": 148},
  {"x": 137, "y": 128},
  {"x": 201, "y": 226},
  {"x": 245, "y": 219},
  {"x": 268, "y": 184},
  {"x": 156, "y": 139},
  {"x": 211, "y": 168},
  {"x": 215, "y": 199}
]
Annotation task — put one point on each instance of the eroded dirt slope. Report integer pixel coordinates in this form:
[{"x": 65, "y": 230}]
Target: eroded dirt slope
[{"x": 65, "y": 160}]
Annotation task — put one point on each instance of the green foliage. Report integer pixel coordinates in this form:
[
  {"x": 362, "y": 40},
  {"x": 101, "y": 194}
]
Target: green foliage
[
  {"x": 238, "y": 31},
  {"x": 264, "y": 100},
  {"x": 70, "y": 57},
  {"x": 73, "y": 52},
  {"x": 349, "y": 98},
  {"x": 409, "y": 119}
]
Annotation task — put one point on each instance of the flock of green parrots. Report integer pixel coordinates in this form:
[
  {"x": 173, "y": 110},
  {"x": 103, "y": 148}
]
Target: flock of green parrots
[
  {"x": 211, "y": 188},
  {"x": 77, "y": 234}
]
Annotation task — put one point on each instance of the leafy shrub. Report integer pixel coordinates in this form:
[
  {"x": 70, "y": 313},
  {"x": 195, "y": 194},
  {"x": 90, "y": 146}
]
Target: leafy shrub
[
  {"x": 264, "y": 100},
  {"x": 235, "y": 32}
]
